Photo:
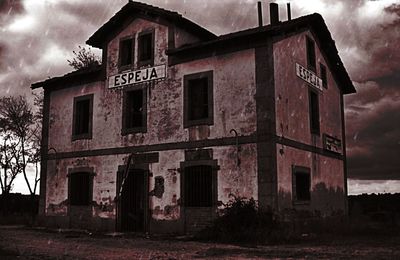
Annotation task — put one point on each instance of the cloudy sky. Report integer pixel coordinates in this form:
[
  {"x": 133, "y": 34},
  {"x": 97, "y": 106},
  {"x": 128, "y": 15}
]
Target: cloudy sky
[{"x": 38, "y": 36}]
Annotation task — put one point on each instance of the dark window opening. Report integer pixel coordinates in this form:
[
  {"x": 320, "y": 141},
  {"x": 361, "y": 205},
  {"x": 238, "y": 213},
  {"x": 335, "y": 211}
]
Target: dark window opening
[
  {"x": 314, "y": 112},
  {"x": 311, "y": 60},
  {"x": 134, "y": 115},
  {"x": 79, "y": 189},
  {"x": 198, "y": 186},
  {"x": 198, "y": 99},
  {"x": 301, "y": 185},
  {"x": 323, "y": 75},
  {"x": 126, "y": 52},
  {"x": 145, "y": 46},
  {"x": 82, "y": 117}
]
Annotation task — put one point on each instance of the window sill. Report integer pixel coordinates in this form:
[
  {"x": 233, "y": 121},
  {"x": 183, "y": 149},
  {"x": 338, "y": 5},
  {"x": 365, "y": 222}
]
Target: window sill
[
  {"x": 301, "y": 202},
  {"x": 145, "y": 63},
  {"x": 315, "y": 132},
  {"x": 134, "y": 130},
  {"x": 199, "y": 207},
  {"x": 311, "y": 68},
  {"x": 125, "y": 68},
  {"x": 199, "y": 122},
  {"x": 81, "y": 137}
]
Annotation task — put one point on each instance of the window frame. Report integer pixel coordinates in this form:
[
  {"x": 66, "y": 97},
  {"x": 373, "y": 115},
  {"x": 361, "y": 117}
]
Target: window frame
[
  {"x": 310, "y": 45},
  {"x": 140, "y": 129},
  {"x": 300, "y": 170},
  {"x": 324, "y": 75},
  {"x": 150, "y": 62},
  {"x": 210, "y": 95},
  {"x": 214, "y": 180},
  {"x": 311, "y": 115},
  {"x": 74, "y": 172},
  {"x": 122, "y": 67},
  {"x": 88, "y": 135}
]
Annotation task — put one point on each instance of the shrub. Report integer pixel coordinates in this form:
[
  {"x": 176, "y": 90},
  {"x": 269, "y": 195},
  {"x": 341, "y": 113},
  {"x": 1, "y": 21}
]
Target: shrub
[{"x": 242, "y": 221}]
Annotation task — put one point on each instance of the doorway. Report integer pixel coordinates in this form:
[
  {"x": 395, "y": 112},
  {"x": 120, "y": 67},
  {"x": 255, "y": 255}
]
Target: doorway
[{"x": 133, "y": 201}]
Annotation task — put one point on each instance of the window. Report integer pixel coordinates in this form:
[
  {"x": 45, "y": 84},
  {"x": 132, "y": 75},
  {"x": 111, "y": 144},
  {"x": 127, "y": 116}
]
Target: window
[
  {"x": 82, "y": 117},
  {"x": 198, "y": 99},
  {"x": 80, "y": 189},
  {"x": 145, "y": 48},
  {"x": 314, "y": 112},
  {"x": 198, "y": 186},
  {"x": 134, "y": 112},
  {"x": 310, "y": 45},
  {"x": 126, "y": 52},
  {"x": 322, "y": 70},
  {"x": 301, "y": 184}
]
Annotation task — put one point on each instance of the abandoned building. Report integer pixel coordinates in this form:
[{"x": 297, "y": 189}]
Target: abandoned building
[{"x": 176, "y": 119}]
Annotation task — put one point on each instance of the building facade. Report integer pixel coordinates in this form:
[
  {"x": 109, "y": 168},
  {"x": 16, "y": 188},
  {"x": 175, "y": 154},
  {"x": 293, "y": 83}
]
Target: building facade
[{"x": 177, "y": 119}]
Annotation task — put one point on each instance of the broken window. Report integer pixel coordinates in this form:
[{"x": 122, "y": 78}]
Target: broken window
[
  {"x": 198, "y": 99},
  {"x": 145, "y": 48},
  {"x": 322, "y": 69},
  {"x": 301, "y": 183},
  {"x": 198, "y": 186},
  {"x": 311, "y": 61},
  {"x": 126, "y": 52},
  {"x": 134, "y": 113},
  {"x": 82, "y": 117},
  {"x": 80, "y": 189},
  {"x": 314, "y": 112}
]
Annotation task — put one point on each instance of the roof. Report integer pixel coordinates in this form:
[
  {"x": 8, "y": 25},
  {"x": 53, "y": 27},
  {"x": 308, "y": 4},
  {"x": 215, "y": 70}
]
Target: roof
[
  {"x": 313, "y": 21},
  {"x": 247, "y": 39},
  {"x": 134, "y": 8},
  {"x": 81, "y": 76}
]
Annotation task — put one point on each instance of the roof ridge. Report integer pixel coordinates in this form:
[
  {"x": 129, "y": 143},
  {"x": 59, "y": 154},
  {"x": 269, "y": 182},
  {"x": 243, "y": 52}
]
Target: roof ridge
[
  {"x": 131, "y": 7},
  {"x": 154, "y": 7}
]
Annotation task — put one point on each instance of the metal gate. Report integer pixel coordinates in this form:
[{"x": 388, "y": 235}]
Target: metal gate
[{"x": 199, "y": 197}]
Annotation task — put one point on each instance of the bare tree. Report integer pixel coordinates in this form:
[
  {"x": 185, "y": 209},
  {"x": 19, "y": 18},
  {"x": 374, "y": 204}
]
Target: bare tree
[
  {"x": 9, "y": 161},
  {"x": 17, "y": 118},
  {"x": 84, "y": 58},
  {"x": 36, "y": 137}
]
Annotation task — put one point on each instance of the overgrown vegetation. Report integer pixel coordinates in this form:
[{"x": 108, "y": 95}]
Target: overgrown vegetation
[
  {"x": 84, "y": 58},
  {"x": 241, "y": 220}
]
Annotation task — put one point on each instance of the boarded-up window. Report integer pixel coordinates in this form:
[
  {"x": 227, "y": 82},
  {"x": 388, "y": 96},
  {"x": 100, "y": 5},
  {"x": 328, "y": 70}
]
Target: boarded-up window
[
  {"x": 145, "y": 48},
  {"x": 82, "y": 117},
  {"x": 198, "y": 99},
  {"x": 198, "y": 186},
  {"x": 314, "y": 112},
  {"x": 126, "y": 52},
  {"x": 79, "y": 194},
  {"x": 301, "y": 183},
  {"x": 311, "y": 60}
]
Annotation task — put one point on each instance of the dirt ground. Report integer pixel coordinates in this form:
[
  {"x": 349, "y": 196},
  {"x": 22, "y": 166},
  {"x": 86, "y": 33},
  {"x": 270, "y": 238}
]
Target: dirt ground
[{"x": 17, "y": 242}]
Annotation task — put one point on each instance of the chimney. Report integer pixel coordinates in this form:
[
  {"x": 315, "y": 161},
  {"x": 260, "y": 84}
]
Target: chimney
[
  {"x": 274, "y": 13},
  {"x": 289, "y": 12},
  {"x": 260, "y": 21}
]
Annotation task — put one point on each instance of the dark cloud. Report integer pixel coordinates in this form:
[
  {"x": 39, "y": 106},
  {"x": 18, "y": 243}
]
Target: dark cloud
[
  {"x": 367, "y": 34},
  {"x": 11, "y": 7},
  {"x": 37, "y": 37},
  {"x": 373, "y": 135}
]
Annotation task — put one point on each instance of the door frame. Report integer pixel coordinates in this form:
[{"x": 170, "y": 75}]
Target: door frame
[
  {"x": 213, "y": 163},
  {"x": 120, "y": 172}
]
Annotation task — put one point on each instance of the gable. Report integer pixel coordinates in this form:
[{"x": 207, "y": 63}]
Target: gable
[{"x": 134, "y": 10}]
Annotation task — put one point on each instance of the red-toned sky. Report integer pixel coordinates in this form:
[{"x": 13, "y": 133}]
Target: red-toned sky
[{"x": 37, "y": 37}]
